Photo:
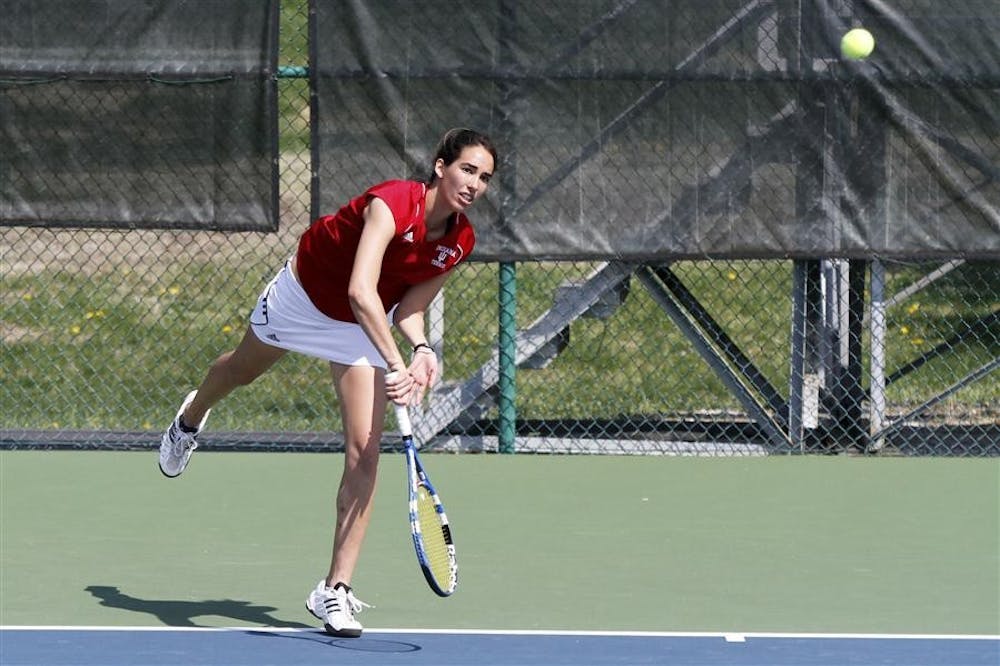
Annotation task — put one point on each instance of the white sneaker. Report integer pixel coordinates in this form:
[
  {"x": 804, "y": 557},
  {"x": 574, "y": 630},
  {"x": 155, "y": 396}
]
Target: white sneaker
[
  {"x": 177, "y": 446},
  {"x": 335, "y": 608}
]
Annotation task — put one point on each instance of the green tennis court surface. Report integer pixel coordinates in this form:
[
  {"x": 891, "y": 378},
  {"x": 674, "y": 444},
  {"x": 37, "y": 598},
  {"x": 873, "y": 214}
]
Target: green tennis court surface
[{"x": 803, "y": 544}]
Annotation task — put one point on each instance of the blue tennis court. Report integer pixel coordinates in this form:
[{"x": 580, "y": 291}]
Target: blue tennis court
[{"x": 254, "y": 647}]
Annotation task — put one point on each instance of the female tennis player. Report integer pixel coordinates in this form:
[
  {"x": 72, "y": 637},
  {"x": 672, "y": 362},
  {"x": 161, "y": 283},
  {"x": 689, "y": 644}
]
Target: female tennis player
[{"x": 379, "y": 261}]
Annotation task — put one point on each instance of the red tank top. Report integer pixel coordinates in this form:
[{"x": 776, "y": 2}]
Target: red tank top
[{"x": 326, "y": 250}]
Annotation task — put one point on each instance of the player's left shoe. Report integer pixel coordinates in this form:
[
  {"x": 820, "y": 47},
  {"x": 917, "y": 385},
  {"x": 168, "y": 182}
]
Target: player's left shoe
[
  {"x": 335, "y": 608},
  {"x": 177, "y": 444}
]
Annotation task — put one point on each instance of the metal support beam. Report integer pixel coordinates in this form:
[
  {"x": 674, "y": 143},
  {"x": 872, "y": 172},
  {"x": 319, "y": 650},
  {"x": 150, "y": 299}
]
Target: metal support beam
[
  {"x": 766, "y": 421},
  {"x": 971, "y": 378},
  {"x": 727, "y": 348},
  {"x": 451, "y": 402}
]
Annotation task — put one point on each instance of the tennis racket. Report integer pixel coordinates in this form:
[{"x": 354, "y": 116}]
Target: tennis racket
[{"x": 428, "y": 522}]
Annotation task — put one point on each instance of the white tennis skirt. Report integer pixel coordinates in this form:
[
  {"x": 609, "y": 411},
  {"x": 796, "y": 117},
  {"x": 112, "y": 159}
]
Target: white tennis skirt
[{"x": 285, "y": 317}]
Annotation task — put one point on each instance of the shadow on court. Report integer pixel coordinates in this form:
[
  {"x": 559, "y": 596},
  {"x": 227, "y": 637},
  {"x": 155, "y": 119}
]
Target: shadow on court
[
  {"x": 353, "y": 644},
  {"x": 177, "y": 613}
]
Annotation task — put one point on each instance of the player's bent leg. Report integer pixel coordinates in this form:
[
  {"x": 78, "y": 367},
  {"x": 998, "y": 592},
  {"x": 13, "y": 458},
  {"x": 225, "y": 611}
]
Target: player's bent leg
[
  {"x": 251, "y": 358},
  {"x": 236, "y": 368}
]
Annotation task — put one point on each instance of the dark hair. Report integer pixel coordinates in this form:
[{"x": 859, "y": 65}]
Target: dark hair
[{"x": 455, "y": 141}]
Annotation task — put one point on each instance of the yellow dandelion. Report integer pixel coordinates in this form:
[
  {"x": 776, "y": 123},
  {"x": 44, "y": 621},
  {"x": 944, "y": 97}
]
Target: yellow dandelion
[
  {"x": 147, "y": 426},
  {"x": 905, "y": 330},
  {"x": 28, "y": 297},
  {"x": 916, "y": 341},
  {"x": 731, "y": 275},
  {"x": 913, "y": 308},
  {"x": 227, "y": 329},
  {"x": 173, "y": 291},
  {"x": 74, "y": 329}
]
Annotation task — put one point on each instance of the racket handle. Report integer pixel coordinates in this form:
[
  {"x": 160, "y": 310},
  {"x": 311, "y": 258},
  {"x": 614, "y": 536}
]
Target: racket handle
[{"x": 402, "y": 412}]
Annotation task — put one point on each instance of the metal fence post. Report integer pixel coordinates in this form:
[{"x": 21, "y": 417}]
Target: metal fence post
[
  {"x": 507, "y": 298},
  {"x": 878, "y": 329}
]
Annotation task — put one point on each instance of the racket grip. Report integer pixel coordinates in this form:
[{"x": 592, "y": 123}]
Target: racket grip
[{"x": 402, "y": 413}]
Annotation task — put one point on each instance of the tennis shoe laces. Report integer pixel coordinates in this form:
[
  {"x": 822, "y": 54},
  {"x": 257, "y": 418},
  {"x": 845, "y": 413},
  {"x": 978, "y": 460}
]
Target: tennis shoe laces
[
  {"x": 178, "y": 444},
  {"x": 335, "y": 608}
]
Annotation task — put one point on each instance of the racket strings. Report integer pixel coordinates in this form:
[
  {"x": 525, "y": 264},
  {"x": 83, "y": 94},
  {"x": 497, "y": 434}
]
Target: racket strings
[{"x": 433, "y": 533}]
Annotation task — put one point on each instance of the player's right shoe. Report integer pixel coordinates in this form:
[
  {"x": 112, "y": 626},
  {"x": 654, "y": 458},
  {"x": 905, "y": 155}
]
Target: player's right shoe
[
  {"x": 335, "y": 608},
  {"x": 177, "y": 444}
]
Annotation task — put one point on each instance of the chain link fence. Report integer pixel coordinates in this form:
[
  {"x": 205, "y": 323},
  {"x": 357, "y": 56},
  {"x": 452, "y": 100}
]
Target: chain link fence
[{"x": 103, "y": 331}]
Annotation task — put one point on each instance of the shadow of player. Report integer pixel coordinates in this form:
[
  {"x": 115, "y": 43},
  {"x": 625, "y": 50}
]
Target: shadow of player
[{"x": 177, "y": 613}]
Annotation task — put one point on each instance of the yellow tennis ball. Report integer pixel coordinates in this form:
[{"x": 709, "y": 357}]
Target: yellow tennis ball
[{"x": 857, "y": 44}]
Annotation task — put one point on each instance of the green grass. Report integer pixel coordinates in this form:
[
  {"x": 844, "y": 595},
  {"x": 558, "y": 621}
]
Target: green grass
[{"x": 109, "y": 350}]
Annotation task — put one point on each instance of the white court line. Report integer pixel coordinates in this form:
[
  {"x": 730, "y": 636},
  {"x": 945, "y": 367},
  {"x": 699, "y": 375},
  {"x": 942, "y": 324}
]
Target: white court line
[{"x": 729, "y": 636}]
